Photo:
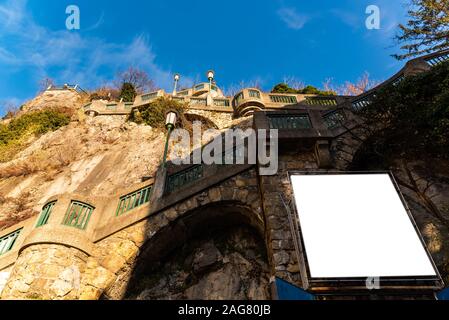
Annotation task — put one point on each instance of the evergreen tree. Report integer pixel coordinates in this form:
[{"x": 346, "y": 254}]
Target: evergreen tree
[
  {"x": 128, "y": 92},
  {"x": 427, "y": 30}
]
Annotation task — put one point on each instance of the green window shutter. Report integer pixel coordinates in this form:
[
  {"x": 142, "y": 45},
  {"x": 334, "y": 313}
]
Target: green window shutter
[
  {"x": 7, "y": 242},
  {"x": 133, "y": 200},
  {"x": 45, "y": 214},
  {"x": 183, "y": 178},
  {"x": 289, "y": 122},
  {"x": 78, "y": 215}
]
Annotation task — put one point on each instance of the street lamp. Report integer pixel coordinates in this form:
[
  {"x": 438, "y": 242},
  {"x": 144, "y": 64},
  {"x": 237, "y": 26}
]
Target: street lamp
[
  {"x": 177, "y": 77},
  {"x": 170, "y": 122},
  {"x": 210, "y": 76}
]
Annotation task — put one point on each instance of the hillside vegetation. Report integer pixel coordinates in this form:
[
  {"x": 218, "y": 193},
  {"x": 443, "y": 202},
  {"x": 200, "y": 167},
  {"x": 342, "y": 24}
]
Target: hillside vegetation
[{"x": 15, "y": 134}]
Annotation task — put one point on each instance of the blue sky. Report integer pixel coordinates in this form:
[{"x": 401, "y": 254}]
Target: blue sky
[{"x": 263, "y": 41}]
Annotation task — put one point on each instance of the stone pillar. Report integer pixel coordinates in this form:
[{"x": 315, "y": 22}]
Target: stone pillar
[
  {"x": 51, "y": 260},
  {"x": 417, "y": 66},
  {"x": 322, "y": 154},
  {"x": 46, "y": 271},
  {"x": 209, "y": 100}
]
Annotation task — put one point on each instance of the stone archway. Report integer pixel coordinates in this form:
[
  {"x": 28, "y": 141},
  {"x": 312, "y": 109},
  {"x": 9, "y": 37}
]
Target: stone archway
[{"x": 215, "y": 251}]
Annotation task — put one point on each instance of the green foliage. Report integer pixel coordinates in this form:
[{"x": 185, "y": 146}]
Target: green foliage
[
  {"x": 154, "y": 113},
  {"x": 13, "y": 134},
  {"x": 413, "y": 117},
  {"x": 427, "y": 30},
  {"x": 128, "y": 92},
  {"x": 284, "y": 88}
]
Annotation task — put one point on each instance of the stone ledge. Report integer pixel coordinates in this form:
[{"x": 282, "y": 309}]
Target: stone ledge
[{"x": 61, "y": 235}]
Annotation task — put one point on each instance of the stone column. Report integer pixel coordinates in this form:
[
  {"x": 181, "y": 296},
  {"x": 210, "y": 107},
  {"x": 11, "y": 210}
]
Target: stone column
[
  {"x": 46, "y": 271},
  {"x": 51, "y": 261}
]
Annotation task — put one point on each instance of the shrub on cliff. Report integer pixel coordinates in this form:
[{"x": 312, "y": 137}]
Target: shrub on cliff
[
  {"x": 412, "y": 117},
  {"x": 285, "y": 88},
  {"x": 154, "y": 113},
  {"x": 127, "y": 92},
  {"x": 18, "y": 130}
]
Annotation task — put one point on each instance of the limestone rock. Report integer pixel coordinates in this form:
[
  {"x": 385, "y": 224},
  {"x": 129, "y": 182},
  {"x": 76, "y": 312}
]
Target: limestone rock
[{"x": 207, "y": 256}]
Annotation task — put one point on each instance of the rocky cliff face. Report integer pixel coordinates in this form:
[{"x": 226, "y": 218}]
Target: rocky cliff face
[
  {"x": 92, "y": 155},
  {"x": 89, "y": 156},
  {"x": 230, "y": 264}
]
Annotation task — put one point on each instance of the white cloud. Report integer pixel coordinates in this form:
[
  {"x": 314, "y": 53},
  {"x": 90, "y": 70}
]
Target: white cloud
[
  {"x": 292, "y": 18},
  {"x": 70, "y": 56}
]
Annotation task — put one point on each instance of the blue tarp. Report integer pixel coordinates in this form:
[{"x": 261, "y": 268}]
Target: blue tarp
[
  {"x": 443, "y": 295},
  {"x": 287, "y": 291}
]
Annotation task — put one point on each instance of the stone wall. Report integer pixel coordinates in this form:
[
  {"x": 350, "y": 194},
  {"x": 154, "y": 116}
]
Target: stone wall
[
  {"x": 4, "y": 276},
  {"x": 277, "y": 197},
  {"x": 47, "y": 272},
  {"x": 221, "y": 119},
  {"x": 119, "y": 253}
]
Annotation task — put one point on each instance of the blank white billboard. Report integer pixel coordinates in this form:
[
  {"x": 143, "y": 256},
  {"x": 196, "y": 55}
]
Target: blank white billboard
[{"x": 355, "y": 225}]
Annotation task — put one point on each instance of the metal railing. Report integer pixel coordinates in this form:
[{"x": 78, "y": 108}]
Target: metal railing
[
  {"x": 363, "y": 102},
  {"x": 183, "y": 178},
  {"x": 435, "y": 60},
  {"x": 222, "y": 102},
  {"x": 283, "y": 99},
  {"x": 45, "y": 214},
  {"x": 254, "y": 94},
  {"x": 289, "y": 121},
  {"x": 198, "y": 101},
  {"x": 398, "y": 80},
  {"x": 149, "y": 96},
  {"x": 7, "y": 242},
  {"x": 133, "y": 200},
  {"x": 334, "y": 119},
  {"x": 112, "y": 106},
  {"x": 199, "y": 87},
  {"x": 320, "y": 101},
  {"x": 75, "y": 87},
  {"x": 178, "y": 99},
  {"x": 78, "y": 215},
  {"x": 183, "y": 93}
]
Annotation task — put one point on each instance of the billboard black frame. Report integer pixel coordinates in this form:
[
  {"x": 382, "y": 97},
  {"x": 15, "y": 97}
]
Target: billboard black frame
[{"x": 358, "y": 284}]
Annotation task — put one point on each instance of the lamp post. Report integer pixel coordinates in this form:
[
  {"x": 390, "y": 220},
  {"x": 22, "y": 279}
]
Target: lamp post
[
  {"x": 177, "y": 77},
  {"x": 170, "y": 123},
  {"x": 210, "y": 76}
]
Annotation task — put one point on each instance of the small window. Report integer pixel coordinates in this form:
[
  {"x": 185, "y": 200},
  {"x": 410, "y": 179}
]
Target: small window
[
  {"x": 45, "y": 214},
  {"x": 78, "y": 215},
  {"x": 7, "y": 242}
]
